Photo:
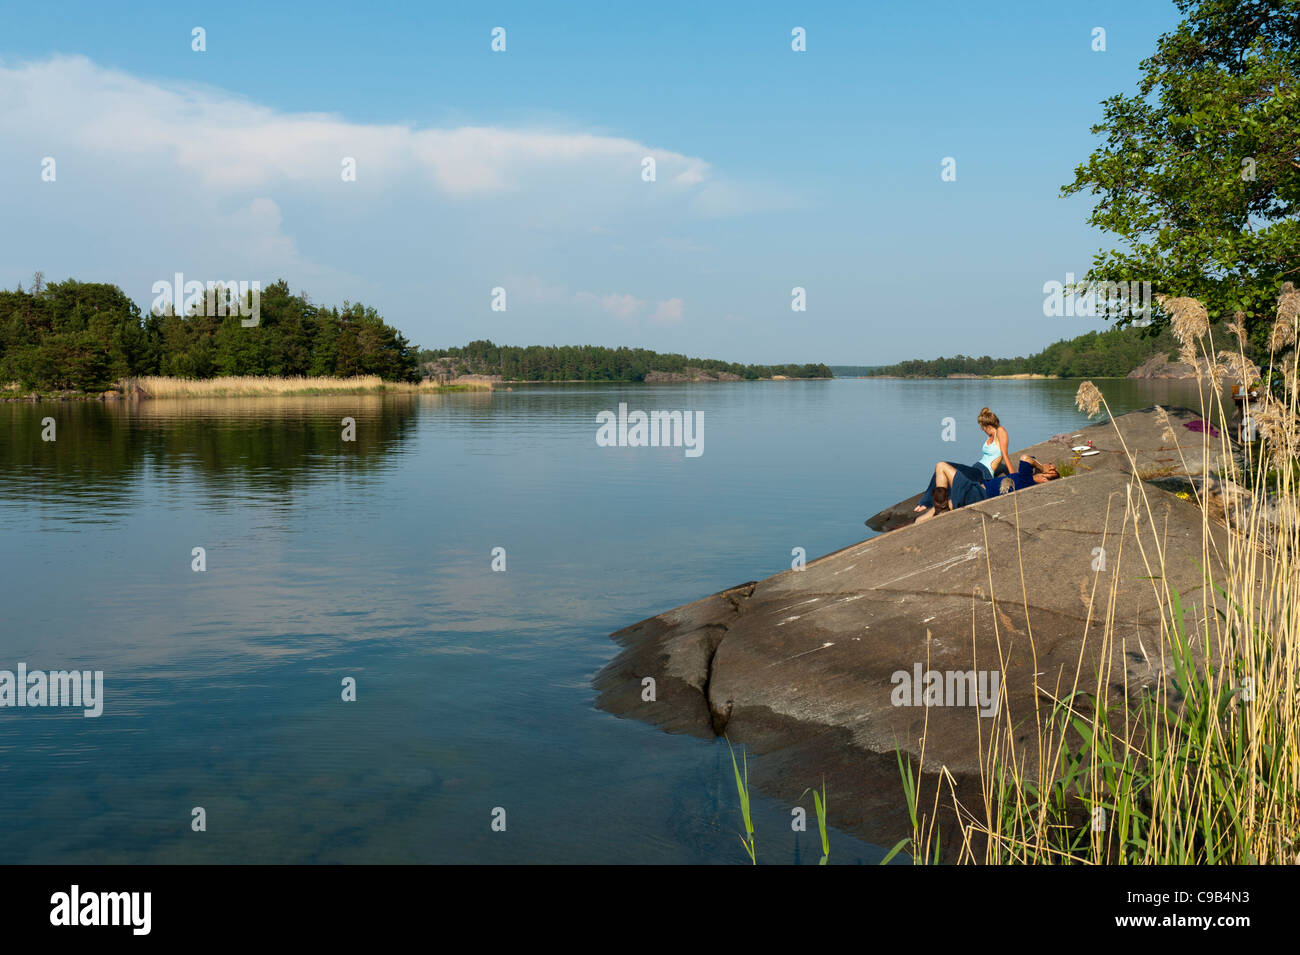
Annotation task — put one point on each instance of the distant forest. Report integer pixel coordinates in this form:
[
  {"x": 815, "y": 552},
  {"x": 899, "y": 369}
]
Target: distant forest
[
  {"x": 594, "y": 363},
  {"x": 86, "y": 336},
  {"x": 1108, "y": 354}
]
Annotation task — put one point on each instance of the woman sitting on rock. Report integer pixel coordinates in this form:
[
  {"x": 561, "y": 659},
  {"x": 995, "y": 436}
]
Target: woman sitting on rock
[{"x": 995, "y": 457}]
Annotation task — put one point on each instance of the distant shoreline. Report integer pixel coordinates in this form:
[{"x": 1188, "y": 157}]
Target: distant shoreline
[
  {"x": 160, "y": 387},
  {"x": 1027, "y": 376},
  {"x": 241, "y": 386},
  {"x": 163, "y": 387},
  {"x": 998, "y": 378},
  {"x": 629, "y": 381}
]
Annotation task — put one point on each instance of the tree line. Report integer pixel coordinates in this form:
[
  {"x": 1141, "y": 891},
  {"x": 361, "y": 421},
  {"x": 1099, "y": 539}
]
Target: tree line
[
  {"x": 594, "y": 363},
  {"x": 1108, "y": 354},
  {"x": 86, "y": 336}
]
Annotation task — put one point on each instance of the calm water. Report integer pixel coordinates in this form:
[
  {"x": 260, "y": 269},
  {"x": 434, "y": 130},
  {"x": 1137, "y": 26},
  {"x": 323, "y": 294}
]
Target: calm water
[{"x": 372, "y": 560}]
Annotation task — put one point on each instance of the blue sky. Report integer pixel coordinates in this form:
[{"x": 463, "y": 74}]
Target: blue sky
[{"x": 522, "y": 169}]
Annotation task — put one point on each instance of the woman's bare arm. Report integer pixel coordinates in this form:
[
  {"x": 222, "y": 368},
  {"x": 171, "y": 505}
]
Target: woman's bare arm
[{"x": 1005, "y": 458}]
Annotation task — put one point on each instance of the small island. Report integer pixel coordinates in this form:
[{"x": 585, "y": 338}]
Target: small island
[{"x": 75, "y": 339}]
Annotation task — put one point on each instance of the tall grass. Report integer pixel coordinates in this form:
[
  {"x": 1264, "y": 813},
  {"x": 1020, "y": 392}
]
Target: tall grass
[
  {"x": 1203, "y": 766},
  {"x": 744, "y": 791},
  {"x": 819, "y": 804},
  {"x": 253, "y": 386},
  {"x": 742, "y": 787}
]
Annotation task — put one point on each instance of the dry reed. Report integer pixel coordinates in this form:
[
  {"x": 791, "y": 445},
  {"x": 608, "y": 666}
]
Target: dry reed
[
  {"x": 1203, "y": 766},
  {"x": 233, "y": 386}
]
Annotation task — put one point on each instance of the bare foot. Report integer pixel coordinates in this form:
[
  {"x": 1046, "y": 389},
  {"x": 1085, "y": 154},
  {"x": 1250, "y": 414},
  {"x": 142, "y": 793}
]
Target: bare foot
[{"x": 919, "y": 508}]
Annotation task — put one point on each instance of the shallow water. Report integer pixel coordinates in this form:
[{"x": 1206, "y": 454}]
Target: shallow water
[{"x": 372, "y": 559}]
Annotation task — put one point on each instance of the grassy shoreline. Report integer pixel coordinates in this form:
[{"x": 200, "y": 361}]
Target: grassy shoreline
[
  {"x": 244, "y": 386},
  {"x": 253, "y": 386}
]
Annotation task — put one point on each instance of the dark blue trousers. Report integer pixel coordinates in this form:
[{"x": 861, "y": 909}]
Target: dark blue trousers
[{"x": 975, "y": 472}]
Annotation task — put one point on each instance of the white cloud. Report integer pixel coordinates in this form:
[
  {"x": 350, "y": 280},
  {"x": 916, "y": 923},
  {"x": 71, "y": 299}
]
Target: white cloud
[
  {"x": 157, "y": 177},
  {"x": 624, "y": 306},
  {"x": 534, "y": 290},
  {"x": 232, "y": 143},
  {"x": 668, "y": 312}
]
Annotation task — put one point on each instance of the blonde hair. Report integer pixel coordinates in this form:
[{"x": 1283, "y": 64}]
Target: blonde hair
[{"x": 987, "y": 418}]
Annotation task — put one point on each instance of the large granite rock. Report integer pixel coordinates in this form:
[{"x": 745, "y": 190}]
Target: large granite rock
[{"x": 800, "y": 666}]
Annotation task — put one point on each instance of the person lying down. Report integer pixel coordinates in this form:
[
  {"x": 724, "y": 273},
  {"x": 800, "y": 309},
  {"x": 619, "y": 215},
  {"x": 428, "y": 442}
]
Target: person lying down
[{"x": 962, "y": 491}]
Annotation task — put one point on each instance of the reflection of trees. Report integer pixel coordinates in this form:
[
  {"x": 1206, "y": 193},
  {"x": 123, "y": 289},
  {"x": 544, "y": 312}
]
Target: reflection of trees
[{"x": 274, "y": 445}]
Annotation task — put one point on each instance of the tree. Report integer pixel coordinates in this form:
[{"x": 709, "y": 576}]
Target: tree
[
  {"x": 1199, "y": 174},
  {"x": 86, "y": 336},
  {"x": 69, "y": 335}
]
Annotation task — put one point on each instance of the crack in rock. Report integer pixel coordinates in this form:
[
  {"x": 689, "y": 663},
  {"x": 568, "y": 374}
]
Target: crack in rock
[{"x": 719, "y": 715}]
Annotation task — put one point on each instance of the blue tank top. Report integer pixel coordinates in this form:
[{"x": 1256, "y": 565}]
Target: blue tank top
[{"x": 991, "y": 453}]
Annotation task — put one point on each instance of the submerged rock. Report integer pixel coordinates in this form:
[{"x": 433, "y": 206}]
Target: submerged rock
[{"x": 813, "y": 669}]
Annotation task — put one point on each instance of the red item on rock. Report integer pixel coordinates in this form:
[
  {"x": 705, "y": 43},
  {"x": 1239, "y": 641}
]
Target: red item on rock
[{"x": 1200, "y": 425}]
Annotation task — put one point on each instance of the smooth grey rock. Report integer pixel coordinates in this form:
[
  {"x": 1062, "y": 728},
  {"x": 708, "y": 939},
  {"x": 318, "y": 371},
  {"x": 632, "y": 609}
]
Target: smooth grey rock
[{"x": 799, "y": 666}]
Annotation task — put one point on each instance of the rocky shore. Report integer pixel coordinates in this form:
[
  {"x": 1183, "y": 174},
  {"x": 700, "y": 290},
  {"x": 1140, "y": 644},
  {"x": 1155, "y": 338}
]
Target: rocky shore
[
  {"x": 110, "y": 395},
  {"x": 803, "y": 667},
  {"x": 1159, "y": 366},
  {"x": 690, "y": 374}
]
